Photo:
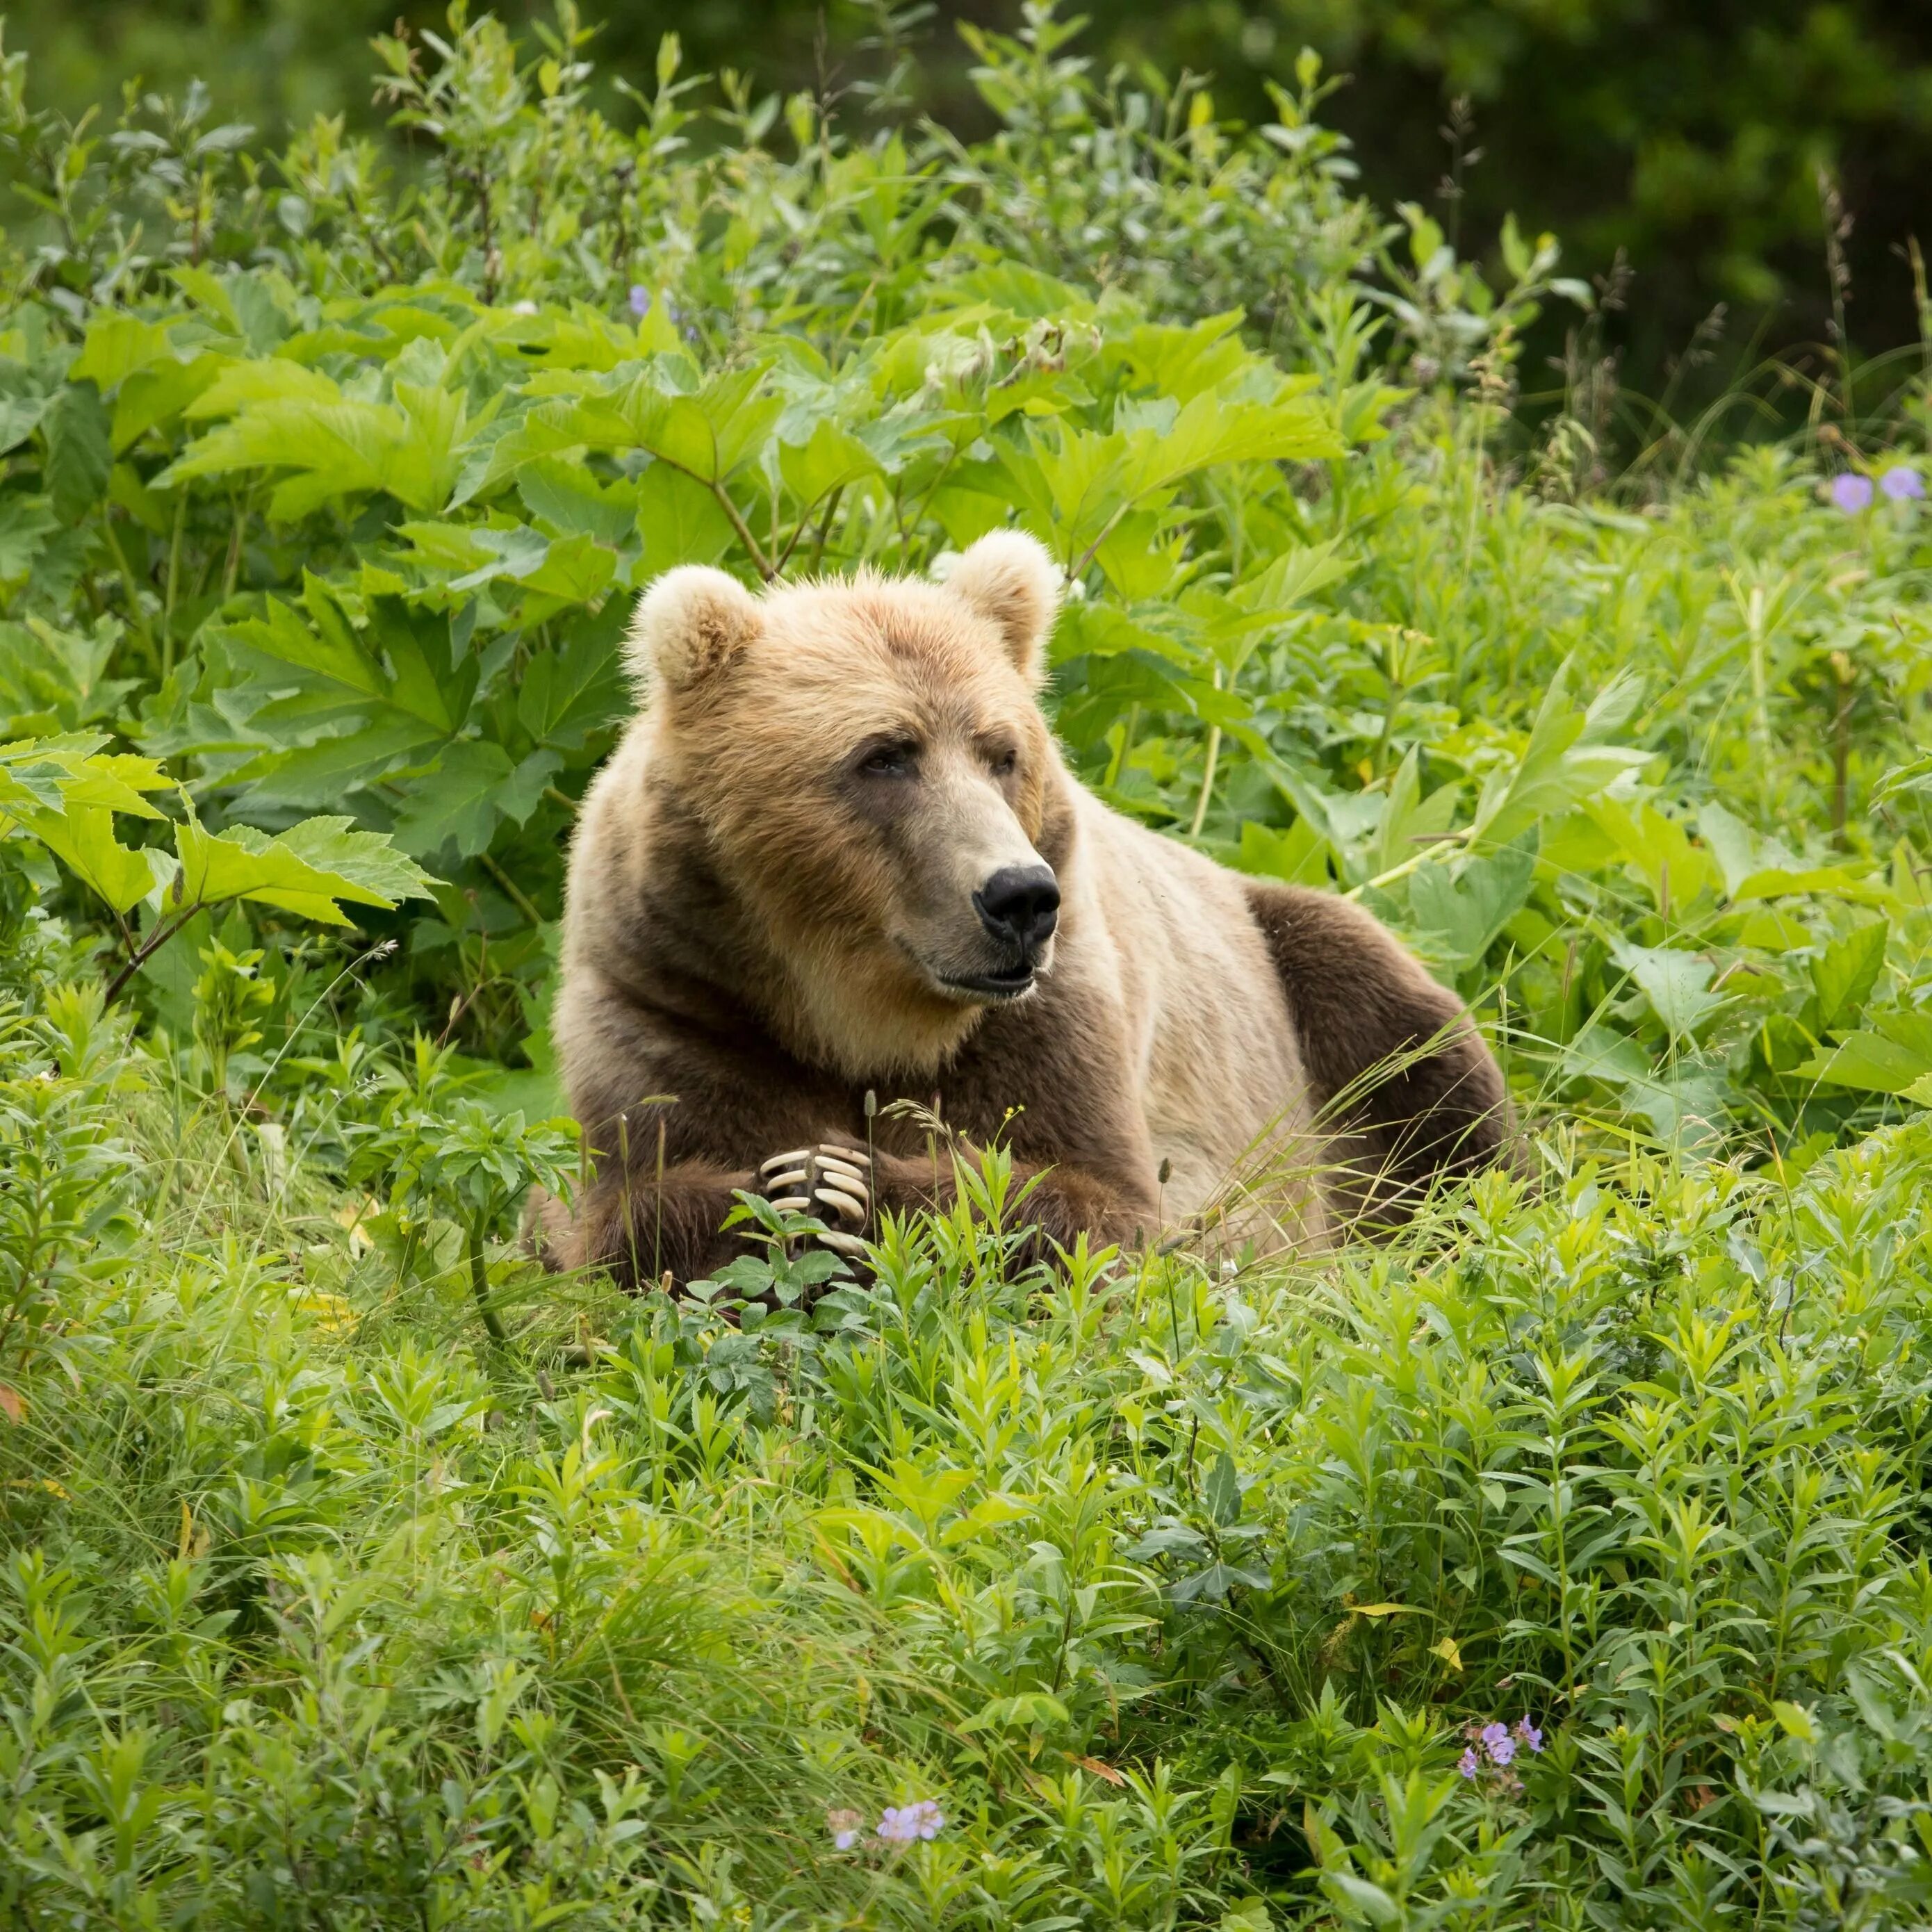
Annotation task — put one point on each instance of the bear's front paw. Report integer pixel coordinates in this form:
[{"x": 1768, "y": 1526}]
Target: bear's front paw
[{"x": 833, "y": 1183}]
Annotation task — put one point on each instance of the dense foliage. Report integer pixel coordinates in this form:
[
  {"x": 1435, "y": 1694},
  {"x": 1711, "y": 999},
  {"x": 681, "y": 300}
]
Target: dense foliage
[
  {"x": 1561, "y": 1562},
  {"x": 1688, "y": 142}
]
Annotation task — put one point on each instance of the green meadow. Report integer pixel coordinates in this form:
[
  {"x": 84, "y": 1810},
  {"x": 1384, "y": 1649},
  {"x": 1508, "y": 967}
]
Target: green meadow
[{"x": 1561, "y": 1562}]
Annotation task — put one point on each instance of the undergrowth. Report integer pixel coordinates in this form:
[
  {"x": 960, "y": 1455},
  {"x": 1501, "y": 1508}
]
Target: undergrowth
[{"x": 1559, "y": 1562}]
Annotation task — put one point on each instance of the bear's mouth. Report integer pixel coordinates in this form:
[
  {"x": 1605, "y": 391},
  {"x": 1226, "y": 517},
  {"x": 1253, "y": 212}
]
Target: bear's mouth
[{"x": 1008, "y": 983}]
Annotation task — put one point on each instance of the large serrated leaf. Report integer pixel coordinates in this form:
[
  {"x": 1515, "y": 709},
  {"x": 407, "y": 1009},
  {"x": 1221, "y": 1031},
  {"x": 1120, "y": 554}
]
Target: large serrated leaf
[
  {"x": 306, "y": 870},
  {"x": 82, "y": 837}
]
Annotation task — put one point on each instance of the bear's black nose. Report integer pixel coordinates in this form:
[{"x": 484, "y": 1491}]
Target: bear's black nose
[{"x": 1019, "y": 905}]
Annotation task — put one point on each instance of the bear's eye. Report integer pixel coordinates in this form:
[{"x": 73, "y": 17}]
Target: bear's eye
[
  {"x": 1004, "y": 764},
  {"x": 889, "y": 761}
]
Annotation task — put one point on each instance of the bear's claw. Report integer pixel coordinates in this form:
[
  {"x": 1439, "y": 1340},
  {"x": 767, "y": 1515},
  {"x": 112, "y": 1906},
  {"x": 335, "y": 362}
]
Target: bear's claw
[{"x": 827, "y": 1176}]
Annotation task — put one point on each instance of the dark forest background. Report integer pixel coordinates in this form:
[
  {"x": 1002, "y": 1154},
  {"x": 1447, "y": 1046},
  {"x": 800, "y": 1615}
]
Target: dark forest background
[{"x": 1678, "y": 146}]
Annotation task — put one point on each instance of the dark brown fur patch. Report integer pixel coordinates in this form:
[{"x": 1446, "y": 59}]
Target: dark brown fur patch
[{"x": 1390, "y": 1053}]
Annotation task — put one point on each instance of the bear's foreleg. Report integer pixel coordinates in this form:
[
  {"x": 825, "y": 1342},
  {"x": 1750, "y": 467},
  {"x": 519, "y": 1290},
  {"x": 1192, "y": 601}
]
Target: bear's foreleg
[
  {"x": 643, "y": 1229},
  {"x": 1060, "y": 1204},
  {"x": 644, "y": 1234}
]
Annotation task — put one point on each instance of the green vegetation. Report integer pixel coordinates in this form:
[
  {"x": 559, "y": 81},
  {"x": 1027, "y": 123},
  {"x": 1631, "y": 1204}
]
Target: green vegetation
[
  {"x": 1687, "y": 146},
  {"x": 358, "y": 1575}
]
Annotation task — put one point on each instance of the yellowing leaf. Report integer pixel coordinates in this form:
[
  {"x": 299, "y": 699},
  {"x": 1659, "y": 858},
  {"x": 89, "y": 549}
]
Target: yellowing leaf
[
  {"x": 1797, "y": 1722},
  {"x": 334, "y": 1314},
  {"x": 1446, "y": 1648}
]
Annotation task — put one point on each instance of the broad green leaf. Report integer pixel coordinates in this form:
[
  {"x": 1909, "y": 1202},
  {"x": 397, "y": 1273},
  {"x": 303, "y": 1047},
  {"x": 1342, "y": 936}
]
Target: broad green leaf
[
  {"x": 1300, "y": 855},
  {"x": 370, "y": 860},
  {"x": 1657, "y": 849},
  {"x": 1409, "y": 821},
  {"x": 832, "y": 458},
  {"x": 1182, "y": 360},
  {"x": 54, "y": 679},
  {"x": 117, "y": 345},
  {"x": 575, "y": 570},
  {"x": 1222, "y": 1491},
  {"x": 1844, "y": 974},
  {"x": 1459, "y": 912},
  {"x": 680, "y": 521},
  {"x": 359, "y": 869},
  {"x": 26, "y": 396},
  {"x": 1892, "y": 1056},
  {"x": 574, "y": 503},
  {"x": 70, "y": 770},
  {"x": 152, "y": 395},
  {"x": 1796, "y": 1722},
  {"x": 1076, "y": 483},
  {"x": 707, "y": 432},
  {"x": 569, "y": 691},
  {"x": 1362, "y": 1898},
  {"x": 1676, "y": 983},
  {"x": 25, "y": 524},
  {"x": 82, "y": 837},
  {"x": 338, "y": 708},
  {"x": 1561, "y": 764},
  {"x": 80, "y": 450},
  {"x": 291, "y": 419},
  {"x": 1293, "y": 577},
  {"x": 1756, "y": 868},
  {"x": 1028, "y": 1708},
  {"x": 458, "y": 802}
]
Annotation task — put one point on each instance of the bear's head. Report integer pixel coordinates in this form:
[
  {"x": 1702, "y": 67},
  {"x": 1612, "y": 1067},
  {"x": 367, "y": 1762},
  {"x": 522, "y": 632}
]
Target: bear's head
[{"x": 877, "y": 789}]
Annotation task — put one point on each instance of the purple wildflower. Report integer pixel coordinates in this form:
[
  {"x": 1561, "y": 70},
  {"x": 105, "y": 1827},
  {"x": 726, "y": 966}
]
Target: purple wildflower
[
  {"x": 1497, "y": 1742},
  {"x": 1467, "y": 1764},
  {"x": 640, "y": 301},
  {"x": 1902, "y": 485},
  {"x": 901, "y": 1824},
  {"x": 1526, "y": 1733},
  {"x": 844, "y": 1826},
  {"x": 1851, "y": 492}
]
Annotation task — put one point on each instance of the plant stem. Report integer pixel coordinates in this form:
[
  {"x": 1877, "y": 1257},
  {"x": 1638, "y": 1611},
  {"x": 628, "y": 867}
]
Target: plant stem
[
  {"x": 1407, "y": 866},
  {"x": 153, "y": 944},
  {"x": 735, "y": 517},
  {"x": 137, "y": 618},
  {"x": 479, "y": 1284},
  {"x": 1208, "y": 770},
  {"x": 1126, "y": 745},
  {"x": 1841, "y": 747},
  {"x": 511, "y": 890},
  {"x": 173, "y": 584},
  {"x": 232, "y": 567}
]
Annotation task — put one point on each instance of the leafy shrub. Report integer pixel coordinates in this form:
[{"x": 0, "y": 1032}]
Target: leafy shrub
[{"x": 1561, "y": 1559}]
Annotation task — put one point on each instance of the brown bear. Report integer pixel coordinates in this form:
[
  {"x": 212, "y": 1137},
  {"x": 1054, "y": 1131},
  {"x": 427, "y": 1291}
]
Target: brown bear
[{"x": 837, "y": 851}]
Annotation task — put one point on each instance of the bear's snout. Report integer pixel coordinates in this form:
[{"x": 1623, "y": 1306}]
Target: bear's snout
[{"x": 1019, "y": 906}]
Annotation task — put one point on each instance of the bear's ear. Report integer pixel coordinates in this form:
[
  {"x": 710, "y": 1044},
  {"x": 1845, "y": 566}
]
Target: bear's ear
[
  {"x": 1008, "y": 577},
  {"x": 690, "y": 624}
]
